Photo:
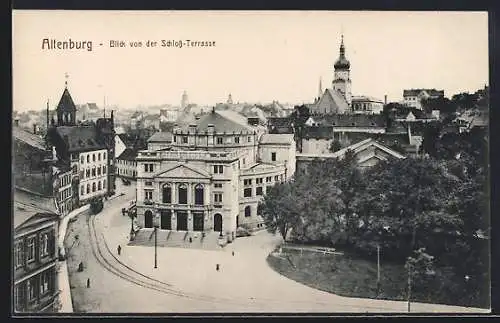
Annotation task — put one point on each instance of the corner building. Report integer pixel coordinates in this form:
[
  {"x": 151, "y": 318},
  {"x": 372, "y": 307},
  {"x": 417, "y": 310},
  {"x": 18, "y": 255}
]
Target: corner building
[{"x": 211, "y": 176}]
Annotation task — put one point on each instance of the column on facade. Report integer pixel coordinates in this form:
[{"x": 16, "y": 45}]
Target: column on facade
[
  {"x": 174, "y": 193},
  {"x": 190, "y": 189}
]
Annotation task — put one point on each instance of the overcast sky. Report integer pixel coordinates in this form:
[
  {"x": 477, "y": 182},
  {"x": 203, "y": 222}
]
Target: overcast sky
[{"x": 258, "y": 56}]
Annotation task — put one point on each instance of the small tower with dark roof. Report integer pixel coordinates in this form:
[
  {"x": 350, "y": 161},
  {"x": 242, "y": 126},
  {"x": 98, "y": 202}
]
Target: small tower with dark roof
[
  {"x": 66, "y": 109},
  {"x": 342, "y": 78}
]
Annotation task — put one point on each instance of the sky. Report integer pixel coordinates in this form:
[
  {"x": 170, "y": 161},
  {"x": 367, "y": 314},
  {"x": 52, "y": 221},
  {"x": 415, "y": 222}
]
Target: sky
[{"x": 259, "y": 56}]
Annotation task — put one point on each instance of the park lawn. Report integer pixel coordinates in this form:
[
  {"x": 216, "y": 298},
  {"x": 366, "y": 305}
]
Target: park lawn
[{"x": 353, "y": 276}]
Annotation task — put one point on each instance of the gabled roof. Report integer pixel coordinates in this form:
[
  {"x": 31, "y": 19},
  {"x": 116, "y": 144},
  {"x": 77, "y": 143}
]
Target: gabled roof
[
  {"x": 28, "y": 138},
  {"x": 80, "y": 138},
  {"x": 161, "y": 137},
  {"x": 128, "y": 154},
  {"x": 26, "y": 205},
  {"x": 415, "y": 92},
  {"x": 362, "y": 145},
  {"x": 66, "y": 102},
  {"x": 183, "y": 171},
  {"x": 280, "y": 139},
  {"x": 366, "y": 98},
  {"x": 337, "y": 98}
]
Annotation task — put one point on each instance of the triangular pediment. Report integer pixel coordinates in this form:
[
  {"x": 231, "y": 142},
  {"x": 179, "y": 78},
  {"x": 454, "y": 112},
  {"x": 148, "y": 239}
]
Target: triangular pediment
[
  {"x": 183, "y": 171},
  {"x": 37, "y": 220}
]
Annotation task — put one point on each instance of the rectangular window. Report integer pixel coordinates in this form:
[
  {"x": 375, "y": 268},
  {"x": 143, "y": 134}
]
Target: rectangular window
[
  {"x": 218, "y": 169},
  {"x": 93, "y": 172},
  {"x": 148, "y": 195},
  {"x": 218, "y": 197},
  {"x": 87, "y": 173},
  {"x": 44, "y": 282},
  {"x": 247, "y": 182},
  {"x": 276, "y": 178},
  {"x": 273, "y": 156},
  {"x": 247, "y": 192},
  {"x": 268, "y": 179},
  {"x": 175, "y": 138},
  {"x": 19, "y": 297},
  {"x": 249, "y": 139},
  {"x": 149, "y": 183},
  {"x": 184, "y": 139},
  {"x": 258, "y": 180},
  {"x": 44, "y": 245},
  {"x": 218, "y": 185},
  {"x": 258, "y": 190},
  {"x": 31, "y": 250},
  {"x": 19, "y": 254},
  {"x": 148, "y": 168},
  {"x": 236, "y": 140},
  {"x": 219, "y": 140},
  {"x": 104, "y": 169},
  {"x": 31, "y": 284}
]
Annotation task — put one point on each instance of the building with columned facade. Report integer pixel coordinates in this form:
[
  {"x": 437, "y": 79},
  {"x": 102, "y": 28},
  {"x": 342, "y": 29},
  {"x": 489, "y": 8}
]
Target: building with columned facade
[{"x": 211, "y": 176}]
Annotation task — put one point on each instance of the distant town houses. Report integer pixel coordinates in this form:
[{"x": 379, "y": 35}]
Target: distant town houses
[
  {"x": 126, "y": 163},
  {"x": 414, "y": 97}
]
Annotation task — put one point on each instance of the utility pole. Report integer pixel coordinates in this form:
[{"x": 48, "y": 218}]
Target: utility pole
[
  {"x": 378, "y": 269},
  {"x": 409, "y": 285}
]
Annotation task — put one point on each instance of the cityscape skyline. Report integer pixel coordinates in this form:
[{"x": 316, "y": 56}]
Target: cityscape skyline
[{"x": 248, "y": 61}]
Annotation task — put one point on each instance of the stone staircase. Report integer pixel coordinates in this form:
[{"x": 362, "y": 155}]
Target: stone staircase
[{"x": 177, "y": 239}]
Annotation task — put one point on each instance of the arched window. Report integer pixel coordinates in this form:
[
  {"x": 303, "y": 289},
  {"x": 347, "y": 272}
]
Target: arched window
[
  {"x": 82, "y": 160},
  {"x": 198, "y": 194},
  {"x": 248, "y": 211},
  {"x": 88, "y": 158},
  {"x": 93, "y": 187},
  {"x": 104, "y": 184},
  {"x": 93, "y": 157},
  {"x": 104, "y": 169},
  {"x": 167, "y": 193},
  {"x": 99, "y": 156},
  {"x": 104, "y": 156},
  {"x": 99, "y": 186},
  {"x": 82, "y": 190},
  {"x": 93, "y": 171},
  {"x": 88, "y": 188},
  {"x": 99, "y": 171},
  {"x": 183, "y": 194}
]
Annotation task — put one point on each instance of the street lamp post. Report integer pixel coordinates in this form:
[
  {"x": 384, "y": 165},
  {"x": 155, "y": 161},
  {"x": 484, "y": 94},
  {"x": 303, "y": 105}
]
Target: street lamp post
[{"x": 156, "y": 225}]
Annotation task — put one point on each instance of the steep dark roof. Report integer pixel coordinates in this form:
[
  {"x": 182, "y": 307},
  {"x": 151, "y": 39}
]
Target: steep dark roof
[
  {"x": 66, "y": 102},
  {"x": 351, "y": 120},
  {"x": 28, "y": 138},
  {"x": 279, "y": 121},
  {"x": 80, "y": 138},
  {"x": 415, "y": 92},
  {"x": 128, "y": 154}
]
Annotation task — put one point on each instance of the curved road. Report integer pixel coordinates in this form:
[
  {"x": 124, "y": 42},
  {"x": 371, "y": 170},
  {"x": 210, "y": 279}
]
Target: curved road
[{"x": 186, "y": 279}]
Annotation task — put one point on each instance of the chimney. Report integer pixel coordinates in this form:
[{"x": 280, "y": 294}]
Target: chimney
[
  {"x": 385, "y": 99},
  {"x": 16, "y": 122}
]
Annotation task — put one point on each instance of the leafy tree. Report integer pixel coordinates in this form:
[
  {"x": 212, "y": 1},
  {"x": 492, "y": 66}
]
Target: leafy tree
[
  {"x": 299, "y": 117},
  {"x": 280, "y": 208},
  {"x": 335, "y": 146},
  {"x": 442, "y": 104}
]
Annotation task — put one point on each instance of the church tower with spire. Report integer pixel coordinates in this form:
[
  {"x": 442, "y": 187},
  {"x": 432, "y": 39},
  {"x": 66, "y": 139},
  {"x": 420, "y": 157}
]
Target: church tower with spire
[
  {"x": 184, "y": 100},
  {"x": 66, "y": 109},
  {"x": 341, "y": 76}
]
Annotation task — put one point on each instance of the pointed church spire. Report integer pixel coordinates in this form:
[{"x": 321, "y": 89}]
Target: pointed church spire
[
  {"x": 342, "y": 47},
  {"x": 66, "y": 76}
]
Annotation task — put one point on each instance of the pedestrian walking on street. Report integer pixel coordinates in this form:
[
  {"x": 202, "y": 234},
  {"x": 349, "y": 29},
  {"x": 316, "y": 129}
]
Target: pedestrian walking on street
[
  {"x": 88, "y": 282},
  {"x": 119, "y": 250},
  {"x": 217, "y": 267},
  {"x": 233, "y": 253}
]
